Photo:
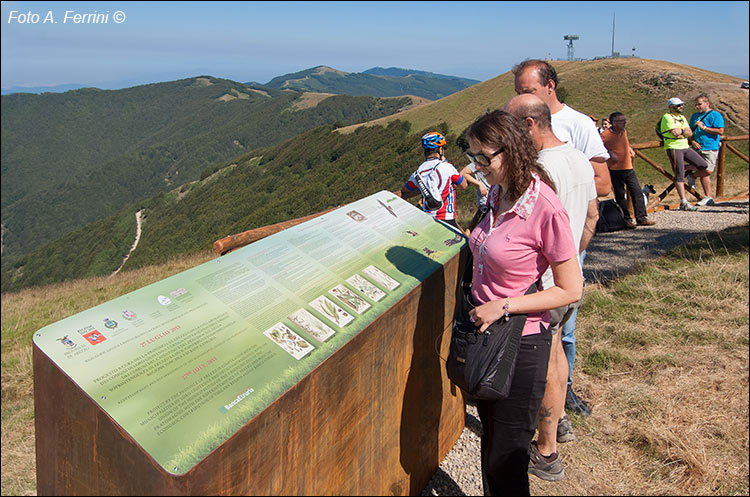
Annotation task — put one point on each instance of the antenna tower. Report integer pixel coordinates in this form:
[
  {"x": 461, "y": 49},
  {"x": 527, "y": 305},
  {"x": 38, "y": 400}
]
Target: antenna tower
[{"x": 569, "y": 39}]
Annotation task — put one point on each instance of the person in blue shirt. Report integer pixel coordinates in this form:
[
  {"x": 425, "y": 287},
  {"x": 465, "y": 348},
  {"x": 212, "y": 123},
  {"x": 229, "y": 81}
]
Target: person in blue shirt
[{"x": 708, "y": 126}]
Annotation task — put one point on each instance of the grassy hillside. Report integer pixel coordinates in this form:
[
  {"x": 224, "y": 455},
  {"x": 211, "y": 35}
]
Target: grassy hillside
[
  {"x": 70, "y": 159},
  {"x": 377, "y": 82},
  {"x": 637, "y": 87},
  {"x": 325, "y": 168}
]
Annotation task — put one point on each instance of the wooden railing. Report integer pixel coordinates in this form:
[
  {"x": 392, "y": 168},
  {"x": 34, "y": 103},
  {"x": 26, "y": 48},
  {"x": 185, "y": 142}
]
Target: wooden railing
[{"x": 720, "y": 166}]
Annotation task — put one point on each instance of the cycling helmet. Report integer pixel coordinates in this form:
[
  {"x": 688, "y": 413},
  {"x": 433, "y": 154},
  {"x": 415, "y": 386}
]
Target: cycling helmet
[{"x": 433, "y": 140}]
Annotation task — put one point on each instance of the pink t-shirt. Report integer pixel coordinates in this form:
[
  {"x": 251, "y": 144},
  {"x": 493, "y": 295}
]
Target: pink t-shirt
[{"x": 517, "y": 251}]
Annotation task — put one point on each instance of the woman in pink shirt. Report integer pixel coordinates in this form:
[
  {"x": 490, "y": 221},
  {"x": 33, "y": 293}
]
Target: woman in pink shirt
[{"x": 525, "y": 230}]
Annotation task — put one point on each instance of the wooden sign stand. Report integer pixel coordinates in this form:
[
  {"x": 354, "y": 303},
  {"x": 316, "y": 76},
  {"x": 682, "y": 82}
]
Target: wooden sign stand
[{"x": 375, "y": 418}]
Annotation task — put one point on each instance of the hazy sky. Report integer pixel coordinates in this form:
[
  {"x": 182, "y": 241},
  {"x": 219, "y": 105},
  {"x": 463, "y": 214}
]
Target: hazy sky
[{"x": 144, "y": 42}]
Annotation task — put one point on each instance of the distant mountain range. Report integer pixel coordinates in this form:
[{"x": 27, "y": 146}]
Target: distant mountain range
[
  {"x": 377, "y": 82},
  {"x": 69, "y": 159},
  {"x": 41, "y": 89},
  {"x": 243, "y": 187},
  {"x": 365, "y": 86},
  {"x": 108, "y": 85}
]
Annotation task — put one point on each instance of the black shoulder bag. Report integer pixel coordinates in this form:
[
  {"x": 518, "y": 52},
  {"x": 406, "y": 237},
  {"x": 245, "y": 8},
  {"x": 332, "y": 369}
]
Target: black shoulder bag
[{"x": 482, "y": 364}]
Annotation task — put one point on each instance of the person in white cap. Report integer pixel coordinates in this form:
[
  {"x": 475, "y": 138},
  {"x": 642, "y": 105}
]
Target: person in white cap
[{"x": 675, "y": 131}]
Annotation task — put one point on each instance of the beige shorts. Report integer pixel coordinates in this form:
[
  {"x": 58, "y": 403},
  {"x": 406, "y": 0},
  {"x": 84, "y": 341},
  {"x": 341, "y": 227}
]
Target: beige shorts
[
  {"x": 711, "y": 157},
  {"x": 558, "y": 317}
]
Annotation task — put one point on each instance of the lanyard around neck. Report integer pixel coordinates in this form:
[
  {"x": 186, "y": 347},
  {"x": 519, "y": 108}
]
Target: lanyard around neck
[{"x": 494, "y": 223}]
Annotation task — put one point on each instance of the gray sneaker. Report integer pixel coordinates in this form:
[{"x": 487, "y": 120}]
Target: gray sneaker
[
  {"x": 565, "y": 430},
  {"x": 685, "y": 206},
  {"x": 547, "y": 468}
]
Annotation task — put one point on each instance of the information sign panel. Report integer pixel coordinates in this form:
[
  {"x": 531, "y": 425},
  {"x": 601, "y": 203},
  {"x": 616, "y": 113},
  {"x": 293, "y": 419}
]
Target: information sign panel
[{"x": 184, "y": 363}]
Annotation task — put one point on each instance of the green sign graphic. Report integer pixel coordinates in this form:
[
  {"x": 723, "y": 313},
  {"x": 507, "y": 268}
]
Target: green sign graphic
[{"x": 184, "y": 363}]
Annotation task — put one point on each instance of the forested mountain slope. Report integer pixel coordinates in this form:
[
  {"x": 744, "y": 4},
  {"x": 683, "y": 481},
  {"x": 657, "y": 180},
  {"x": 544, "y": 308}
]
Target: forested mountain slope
[
  {"x": 377, "y": 82},
  {"x": 69, "y": 159}
]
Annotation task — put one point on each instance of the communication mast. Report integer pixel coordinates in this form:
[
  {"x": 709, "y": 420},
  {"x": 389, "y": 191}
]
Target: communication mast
[{"x": 569, "y": 39}]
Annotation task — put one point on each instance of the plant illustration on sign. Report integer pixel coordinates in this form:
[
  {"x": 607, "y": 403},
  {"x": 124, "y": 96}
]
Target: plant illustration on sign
[
  {"x": 311, "y": 325},
  {"x": 331, "y": 311},
  {"x": 367, "y": 288},
  {"x": 355, "y": 302},
  {"x": 288, "y": 340},
  {"x": 381, "y": 278}
]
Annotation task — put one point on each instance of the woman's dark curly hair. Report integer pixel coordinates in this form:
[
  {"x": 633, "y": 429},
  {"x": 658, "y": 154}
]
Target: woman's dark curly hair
[{"x": 499, "y": 129}]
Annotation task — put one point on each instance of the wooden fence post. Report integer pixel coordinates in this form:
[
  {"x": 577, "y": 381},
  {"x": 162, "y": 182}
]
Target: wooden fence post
[{"x": 720, "y": 169}]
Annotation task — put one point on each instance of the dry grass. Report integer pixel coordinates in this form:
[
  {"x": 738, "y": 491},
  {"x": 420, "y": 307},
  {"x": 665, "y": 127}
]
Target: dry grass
[
  {"x": 18, "y": 463},
  {"x": 663, "y": 358},
  {"x": 25, "y": 312},
  {"x": 310, "y": 99},
  {"x": 637, "y": 87}
]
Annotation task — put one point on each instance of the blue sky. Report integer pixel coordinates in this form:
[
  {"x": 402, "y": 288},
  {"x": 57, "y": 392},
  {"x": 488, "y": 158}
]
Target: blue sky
[{"x": 257, "y": 41}]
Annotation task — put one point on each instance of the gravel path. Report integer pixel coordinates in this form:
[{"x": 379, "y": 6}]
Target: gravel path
[
  {"x": 609, "y": 256},
  {"x": 614, "y": 254}
]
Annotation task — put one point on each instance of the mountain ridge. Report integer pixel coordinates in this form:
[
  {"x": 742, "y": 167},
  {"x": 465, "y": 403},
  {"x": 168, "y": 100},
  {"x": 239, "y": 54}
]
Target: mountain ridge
[
  {"x": 331, "y": 165},
  {"x": 376, "y": 81},
  {"x": 69, "y": 158}
]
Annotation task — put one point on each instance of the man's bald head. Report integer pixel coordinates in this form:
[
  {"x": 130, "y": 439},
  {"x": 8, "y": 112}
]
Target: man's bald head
[{"x": 528, "y": 105}]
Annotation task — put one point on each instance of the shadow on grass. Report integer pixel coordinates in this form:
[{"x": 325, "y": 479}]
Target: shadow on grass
[
  {"x": 611, "y": 256},
  {"x": 729, "y": 241}
]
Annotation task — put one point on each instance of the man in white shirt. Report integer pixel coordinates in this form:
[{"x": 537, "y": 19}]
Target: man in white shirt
[
  {"x": 540, "y": 79},
  {"x": 574, "y": 180}
]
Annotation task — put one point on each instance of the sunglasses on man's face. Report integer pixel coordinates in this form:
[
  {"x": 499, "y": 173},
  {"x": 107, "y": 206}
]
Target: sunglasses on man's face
[{"x": 482, "y": 160}]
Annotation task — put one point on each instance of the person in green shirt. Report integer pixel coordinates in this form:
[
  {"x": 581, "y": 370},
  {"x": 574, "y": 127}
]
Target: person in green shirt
[{"x": 675, "y": 130}]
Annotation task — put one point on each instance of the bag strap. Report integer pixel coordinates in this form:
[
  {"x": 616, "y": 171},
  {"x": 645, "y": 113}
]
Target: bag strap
[
  {"x": 439, "y": 161},
  {"x": 702, "y": 118}
]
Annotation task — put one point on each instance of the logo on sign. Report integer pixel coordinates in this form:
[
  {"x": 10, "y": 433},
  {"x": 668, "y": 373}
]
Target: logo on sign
[
  {"x": 69, "y": 344},
  {"x": 178, "y": 292},
  {"x": 94, "y": 337}
]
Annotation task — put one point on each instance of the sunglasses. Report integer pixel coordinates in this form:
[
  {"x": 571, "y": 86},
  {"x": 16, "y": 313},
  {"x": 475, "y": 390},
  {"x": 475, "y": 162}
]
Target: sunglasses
[{"x": 482, "y": 160}]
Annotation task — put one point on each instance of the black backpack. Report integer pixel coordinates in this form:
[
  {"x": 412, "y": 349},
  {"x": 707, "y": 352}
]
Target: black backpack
[
  {"x": 658, "y": 131},
  {"x": 611, "y": 217}
]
